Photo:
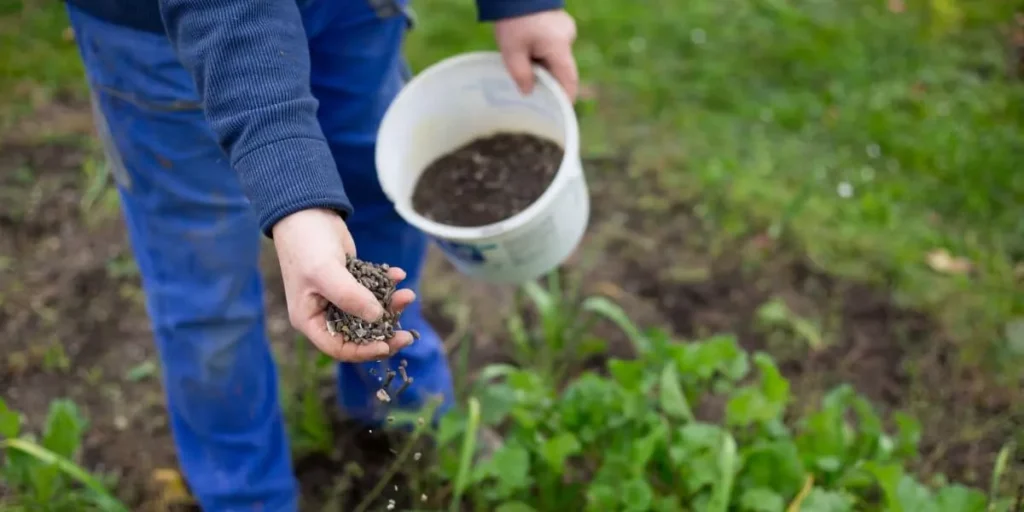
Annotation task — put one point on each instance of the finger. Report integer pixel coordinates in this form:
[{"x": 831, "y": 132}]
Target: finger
[
  {"x": 396, "y": 274},
  {"x": 562, "y": 66},
  {"x": 339, "y": 287},
  {"x": 401, "y": 299},
  {"x": 375, "y": 351},
  {"x": 517, "y": 62},
  {"x": 337, "y": 347},
  {"x": 400, "y": 340},
  {"x": 369, "y": 352}
]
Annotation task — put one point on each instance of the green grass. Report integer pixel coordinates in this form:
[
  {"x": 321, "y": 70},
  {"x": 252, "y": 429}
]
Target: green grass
[
  {"x": 38, "y": 61},
  {"x": 766, "y": 109}
]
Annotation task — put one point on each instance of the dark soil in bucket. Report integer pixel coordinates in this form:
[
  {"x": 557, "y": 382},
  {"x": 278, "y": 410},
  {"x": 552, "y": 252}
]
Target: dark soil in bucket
[{"x": 488, "y": 180}]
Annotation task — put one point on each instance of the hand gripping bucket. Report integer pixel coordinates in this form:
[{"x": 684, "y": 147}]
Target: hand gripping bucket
[{"x": 470, "y": 96}]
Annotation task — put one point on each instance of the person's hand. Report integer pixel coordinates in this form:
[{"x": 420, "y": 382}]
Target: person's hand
[
  {"x": 311, "y": 248},
  {"x": 545, "y": 37}
]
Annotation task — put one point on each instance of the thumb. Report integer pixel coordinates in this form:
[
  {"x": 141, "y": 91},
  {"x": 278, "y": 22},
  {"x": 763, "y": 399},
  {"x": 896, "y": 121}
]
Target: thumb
[
  {"x": 344, "y": 291},
  {"x": 520, "y": 67}
]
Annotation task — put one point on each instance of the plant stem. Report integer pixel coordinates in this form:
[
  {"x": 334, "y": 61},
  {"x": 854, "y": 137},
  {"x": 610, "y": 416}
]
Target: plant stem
[
  {"x": 466, "y": 458},
  {"x": 399, "y": 461}
]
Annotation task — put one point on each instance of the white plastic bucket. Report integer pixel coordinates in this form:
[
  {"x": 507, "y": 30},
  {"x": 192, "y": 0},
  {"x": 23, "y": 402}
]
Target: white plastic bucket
[{"x": 470, "y": 96}]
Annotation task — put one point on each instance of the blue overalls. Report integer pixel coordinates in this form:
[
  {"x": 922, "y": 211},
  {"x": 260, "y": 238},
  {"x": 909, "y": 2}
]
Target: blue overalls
[{"x": 197, "y": 242}]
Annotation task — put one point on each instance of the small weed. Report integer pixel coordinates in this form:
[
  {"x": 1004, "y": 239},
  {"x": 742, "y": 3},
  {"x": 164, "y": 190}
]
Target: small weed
[
  {"x": 561, "y": 337},
  {"x": 307, "y": 417},
  {"x": 42, "y": 473},
  {"x": 775, "y": 315}
]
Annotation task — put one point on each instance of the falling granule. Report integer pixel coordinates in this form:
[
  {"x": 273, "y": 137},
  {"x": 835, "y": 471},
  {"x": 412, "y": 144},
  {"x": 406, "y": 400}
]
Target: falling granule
[
  {"x": 845, "y": 190},
  {"x": 396, "y": 487},
  {"x": 423, "y": 497},
  {"x": 391, "y": 504},
  {"x": 416, "y": 456}
]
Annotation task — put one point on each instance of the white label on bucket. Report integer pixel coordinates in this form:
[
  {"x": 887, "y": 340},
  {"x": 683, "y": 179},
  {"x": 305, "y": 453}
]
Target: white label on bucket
[{"x": 469, "y": 254}]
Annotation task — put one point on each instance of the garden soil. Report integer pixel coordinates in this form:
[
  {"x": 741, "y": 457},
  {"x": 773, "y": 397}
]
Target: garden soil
[
  {"x": 72, "y": 324},
  {"x": 487, "y": 180}
]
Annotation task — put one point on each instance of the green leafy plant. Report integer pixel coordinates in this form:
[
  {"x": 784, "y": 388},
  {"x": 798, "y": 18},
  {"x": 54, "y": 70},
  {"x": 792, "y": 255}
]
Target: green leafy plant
[
  {"x": 560, "y": 335},
  {"x": 43, "y": 473},
  {"x": 309, "y": 422},
  {"x": 700, "y": 425}
]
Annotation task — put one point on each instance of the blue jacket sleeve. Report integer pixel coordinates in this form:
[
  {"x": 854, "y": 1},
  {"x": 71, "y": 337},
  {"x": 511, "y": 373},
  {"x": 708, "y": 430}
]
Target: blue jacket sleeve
[
  {"x": 494, "y": 10},
  {"x": 250, "y": 63}
]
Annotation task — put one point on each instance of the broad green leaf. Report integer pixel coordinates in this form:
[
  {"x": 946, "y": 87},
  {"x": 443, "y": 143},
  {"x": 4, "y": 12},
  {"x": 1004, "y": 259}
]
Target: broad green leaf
[
  {"x": 908, "y": 435},
  {"x": 637, "y": 495},
  {"x": 763, "y": 404},
  {"x": 773, "y": 465},
  {"x": 823, "y": 436},
  {"x": 746, "y": 407},
  {"x": 698, "y": 456},
  {"x": 64, "y": 427},
  {"x": 643, "y": 449},
  {"x": 601, "y": 497},
  {"x": 10, "y": 421},
  {"x": 820, "y": 500},
  {"x": 514, "y": 506},
  {"x": 728, "y": 465},
  {"x": 496, "y": 402},
  {"x": 451, "y": 426},
  {"x": 699, "y": 436},
  {"x": 629, "y": 374},
  {"x": 774, "y": 386},
  {"x": 957, "y": 498},
  {"x": 44, "y": 481},
  {"x": 760, "y": 499},
  {"x": 510, "y": 467},
  {"x": 902, "y": 493},
  {"x": 557, "y": 449},
  {"x": 720, "y": 354},
  {"x": 671, "y": 398}
]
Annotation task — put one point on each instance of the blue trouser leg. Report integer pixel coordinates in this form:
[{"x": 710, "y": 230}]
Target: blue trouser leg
[
  {"x": 197, "y": 243},
  {"x": 357, "y": 71}
]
